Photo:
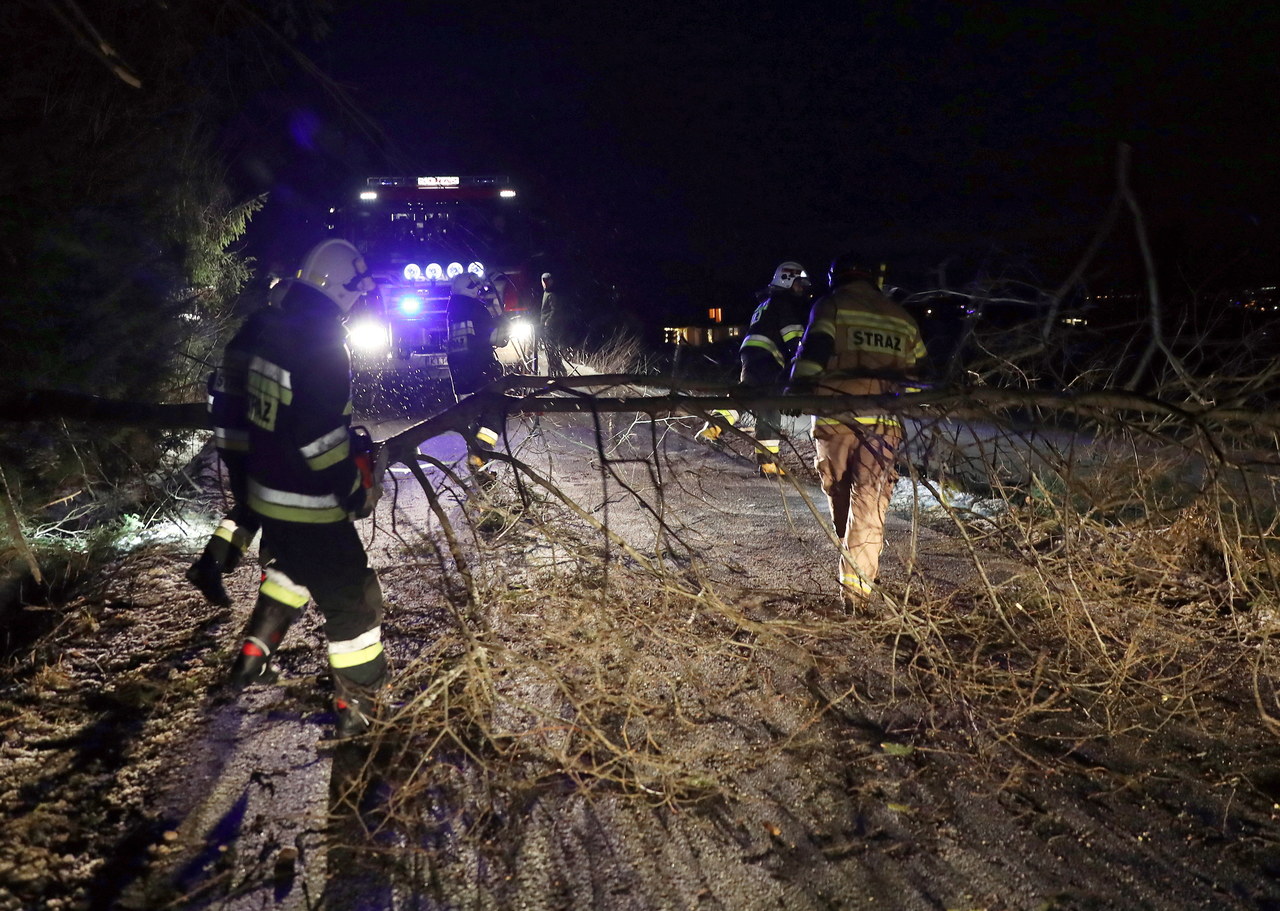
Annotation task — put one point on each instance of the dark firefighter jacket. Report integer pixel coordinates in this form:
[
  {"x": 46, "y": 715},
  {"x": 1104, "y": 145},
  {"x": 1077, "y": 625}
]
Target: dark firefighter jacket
[
  {"x": 473, "y": 332},
  {"x": 228, "y": 392},
  {"x": 857, "y": 342},
  {"x": 298, "y": 409},
  {"x": 772, "y": 338}
]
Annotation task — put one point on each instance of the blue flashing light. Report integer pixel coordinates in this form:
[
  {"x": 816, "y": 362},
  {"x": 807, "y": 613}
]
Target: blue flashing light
[{"x": 410, "y": 304}]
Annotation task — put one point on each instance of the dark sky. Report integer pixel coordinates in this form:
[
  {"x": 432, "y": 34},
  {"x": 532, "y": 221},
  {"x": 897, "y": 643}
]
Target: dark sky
[{"x": 686, "y": 139}]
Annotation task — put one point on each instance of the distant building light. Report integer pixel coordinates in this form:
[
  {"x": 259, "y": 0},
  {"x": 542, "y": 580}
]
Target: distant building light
[
  {"x": 368, "y": 194},
  {"x": 507, "y": 194},
  {"x": 715, "y": 314}
]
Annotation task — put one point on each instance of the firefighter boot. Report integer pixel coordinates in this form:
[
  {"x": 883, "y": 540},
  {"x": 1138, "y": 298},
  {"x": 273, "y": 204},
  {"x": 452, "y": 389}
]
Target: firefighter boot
[
  {"x": 768, "y": 463},
  {"x": 357, "y": 705},
  {"x": 270, "y": 620},
  {"x": 221, "y": 555},
  {"x": 710, "y": 434},
  {"x": 772, "y": 470}
]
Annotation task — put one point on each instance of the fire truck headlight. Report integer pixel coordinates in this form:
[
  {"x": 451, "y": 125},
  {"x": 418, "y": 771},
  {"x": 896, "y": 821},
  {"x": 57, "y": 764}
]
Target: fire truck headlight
[
  {"x": 521, "y": 331},
  {"x": 413, "y": 273},
  {"x": 434, "y": 272},
  {"x": 476, "y": 269},
  {"x": 453, "y": 270},
  {"x": 368, "y": 336},
  {"x": 410, "y": 304}
]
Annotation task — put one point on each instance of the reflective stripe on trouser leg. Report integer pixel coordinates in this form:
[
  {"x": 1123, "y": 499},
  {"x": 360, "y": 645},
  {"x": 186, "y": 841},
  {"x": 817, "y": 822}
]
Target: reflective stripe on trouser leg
[
  {"x": 280, "y": 602},
  {"x": 226, "y": 530},
  {"x": 855, "y": 583},
  {"x": 351, "y": 653},
  {"x": 358, "y": 656},
  {"x": 238, "y": 536}
]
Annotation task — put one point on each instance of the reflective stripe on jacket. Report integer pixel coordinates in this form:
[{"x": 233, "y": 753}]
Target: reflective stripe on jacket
[
  {"x": 771, "y": 340},
  {"x": 857, "y": 342}
]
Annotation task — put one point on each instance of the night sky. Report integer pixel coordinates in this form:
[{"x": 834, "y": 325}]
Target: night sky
[{"x": 692, "y": 147}]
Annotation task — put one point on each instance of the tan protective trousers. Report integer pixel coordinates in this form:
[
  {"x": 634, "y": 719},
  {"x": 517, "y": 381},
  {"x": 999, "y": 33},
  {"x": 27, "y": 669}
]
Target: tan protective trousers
[{"x": 857, "y": 472}]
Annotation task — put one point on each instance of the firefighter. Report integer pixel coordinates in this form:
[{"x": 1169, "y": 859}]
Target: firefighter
[
  {"x": 766, "y": 353},
  {"x": 305, "y": 485},
  {"x": 857, "y": 342},
  {"x": 476, "y": 327}
]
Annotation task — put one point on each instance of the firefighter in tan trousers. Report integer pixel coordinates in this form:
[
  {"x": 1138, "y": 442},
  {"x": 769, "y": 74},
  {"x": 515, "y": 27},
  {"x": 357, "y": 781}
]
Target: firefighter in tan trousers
[{"x": 857, "y": 342}]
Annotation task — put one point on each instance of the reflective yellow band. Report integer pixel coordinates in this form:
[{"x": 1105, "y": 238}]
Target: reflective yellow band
[
  {"x": 351, "y": 659},
  {"x": 761, "y": 341},
  {"x": 279, "y": 587},
  {"x": 806, "y": 368},
  {"x": 856, "y": 582},
  {"x": 297, "y": 514},
  {"x": 266, "y": 377},
  {"x": 883, "y": 420},
  {"x": 487, "y": 436}
]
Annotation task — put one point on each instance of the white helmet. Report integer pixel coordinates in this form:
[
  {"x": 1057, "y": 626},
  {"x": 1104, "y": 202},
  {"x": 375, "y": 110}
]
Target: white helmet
[
  {"x": 467, "y": 284},
  {"x": 787, "y": 273},
  {"x": 336, "y": 268}
]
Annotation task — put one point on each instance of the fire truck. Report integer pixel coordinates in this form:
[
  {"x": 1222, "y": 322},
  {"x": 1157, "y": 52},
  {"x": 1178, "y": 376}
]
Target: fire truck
[{"x": 417, "y": 234}]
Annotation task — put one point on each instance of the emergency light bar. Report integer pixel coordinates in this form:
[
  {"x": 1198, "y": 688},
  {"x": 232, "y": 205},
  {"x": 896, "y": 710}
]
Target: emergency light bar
[
  {"x": 487, "y": 180},
  {"x": 434, "y": 272}
]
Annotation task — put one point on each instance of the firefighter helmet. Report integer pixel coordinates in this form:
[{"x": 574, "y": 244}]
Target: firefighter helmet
[
  {"x": 845, "y": 268},
  {"x": 786, "y": 274},
  {"x": 467, "y": 284},
  {"x": 336, "y": 268}
]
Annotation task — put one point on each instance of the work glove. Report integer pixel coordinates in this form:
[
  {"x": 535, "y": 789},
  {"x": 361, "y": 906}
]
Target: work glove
[
  {"x": 363, "y": 501},
  {"x": 371, "y": 462},
  {"x": 501, "y": 333}
]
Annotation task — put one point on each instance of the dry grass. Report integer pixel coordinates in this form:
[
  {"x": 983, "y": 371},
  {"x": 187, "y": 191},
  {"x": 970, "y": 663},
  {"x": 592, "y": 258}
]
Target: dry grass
[{"x": 1123, "y": 586}]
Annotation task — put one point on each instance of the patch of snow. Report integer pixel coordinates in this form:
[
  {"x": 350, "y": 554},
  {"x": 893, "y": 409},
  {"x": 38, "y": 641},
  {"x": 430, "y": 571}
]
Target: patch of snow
[{"x": 922, "y": 497}]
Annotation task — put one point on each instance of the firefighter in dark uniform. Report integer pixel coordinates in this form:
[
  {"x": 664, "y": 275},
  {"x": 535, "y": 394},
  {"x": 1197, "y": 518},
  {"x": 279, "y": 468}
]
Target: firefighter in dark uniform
[
  {"x": 766, "y": 353},
  {"x": 305, "y": 485},
  {"x": 476, "y": 327},
  {"x": 857, "y": 342}
]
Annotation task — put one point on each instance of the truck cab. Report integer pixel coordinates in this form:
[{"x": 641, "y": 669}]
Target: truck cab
[{"x": 417, "y": 234}]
